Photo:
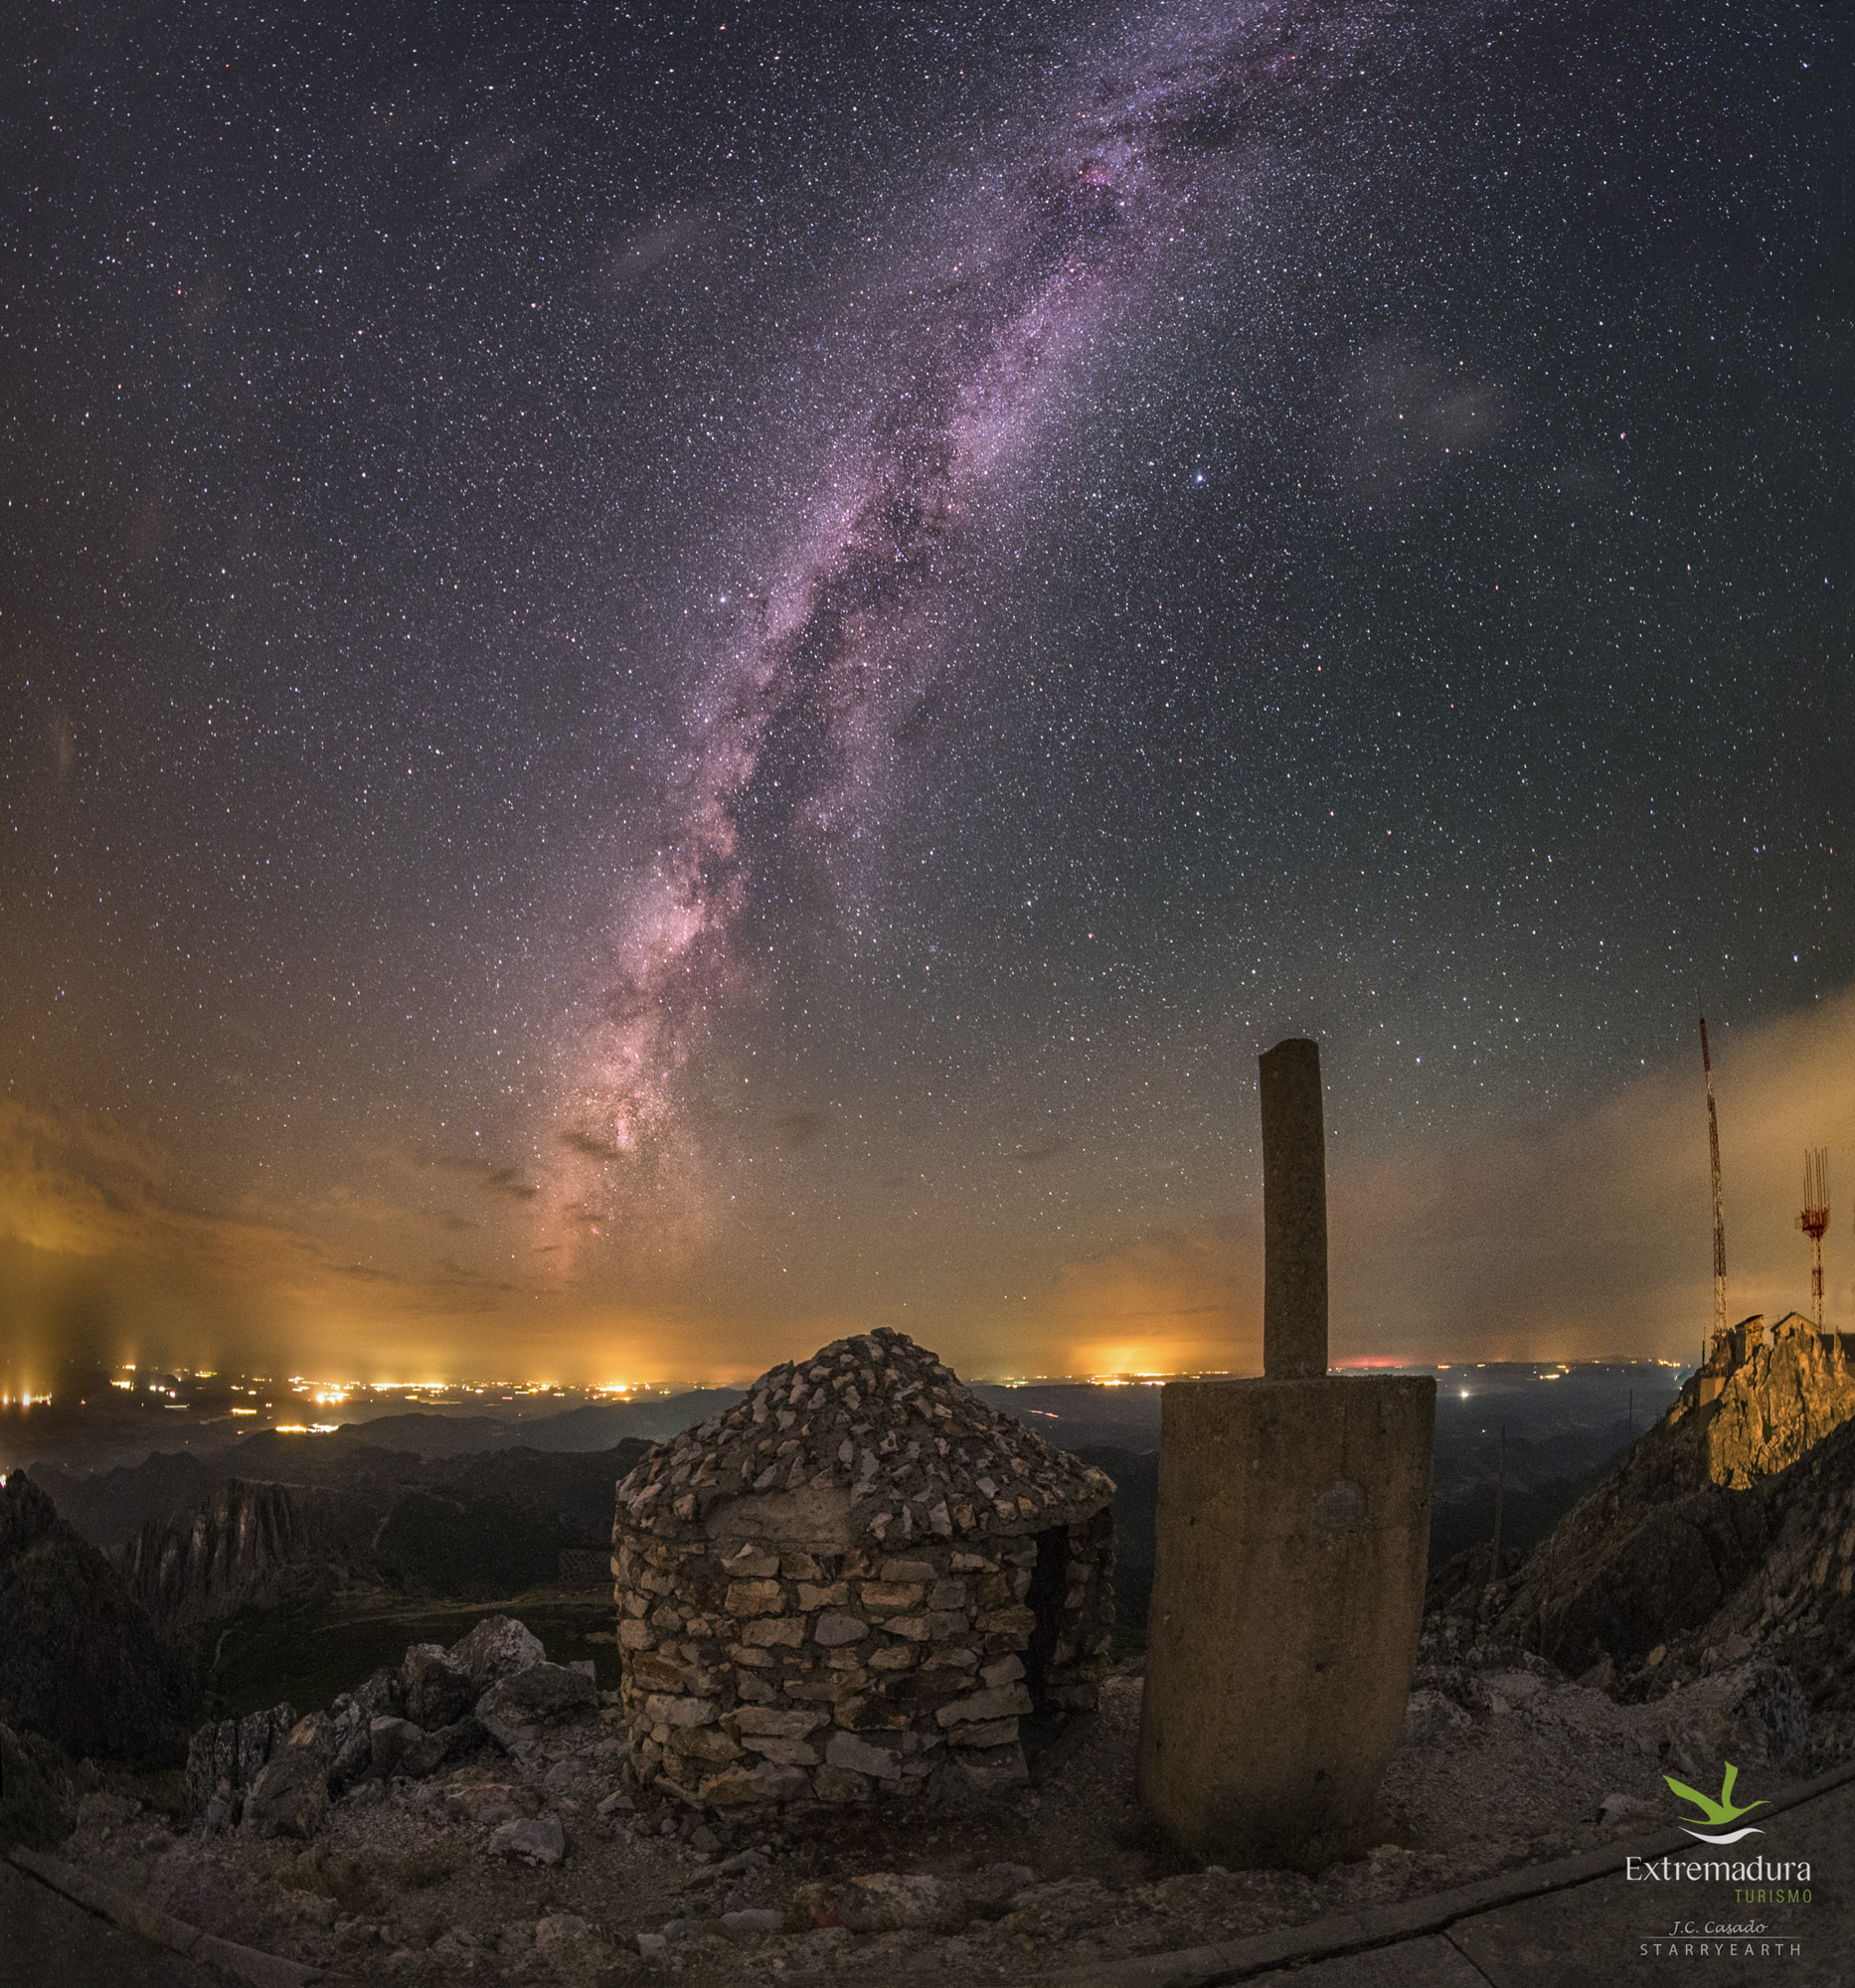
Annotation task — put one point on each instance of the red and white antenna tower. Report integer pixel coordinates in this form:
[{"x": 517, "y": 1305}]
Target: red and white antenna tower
[
  {"x": 1815, "y": 1218},
  {"x": 1719, "y": 1206}
]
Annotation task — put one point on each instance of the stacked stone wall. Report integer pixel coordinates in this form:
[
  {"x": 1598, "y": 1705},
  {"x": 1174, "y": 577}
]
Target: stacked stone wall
[{"x": 759, "y": 1672}]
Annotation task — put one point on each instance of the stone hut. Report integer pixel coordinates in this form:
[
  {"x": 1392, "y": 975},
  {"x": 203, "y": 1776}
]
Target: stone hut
[{"x": 859, "y": 1577}]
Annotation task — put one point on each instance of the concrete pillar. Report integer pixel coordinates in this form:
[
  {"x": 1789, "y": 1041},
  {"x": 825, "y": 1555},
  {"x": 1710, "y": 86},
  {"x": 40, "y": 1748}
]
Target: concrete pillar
[
  {"x": 1294, "y": 1541},
  {"x": 1294, "y": 1213}
]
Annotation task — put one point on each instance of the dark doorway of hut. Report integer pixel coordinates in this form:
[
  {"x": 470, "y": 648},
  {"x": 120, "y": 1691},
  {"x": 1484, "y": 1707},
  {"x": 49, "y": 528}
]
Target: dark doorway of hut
[{"x": 1048, "y": 1733}]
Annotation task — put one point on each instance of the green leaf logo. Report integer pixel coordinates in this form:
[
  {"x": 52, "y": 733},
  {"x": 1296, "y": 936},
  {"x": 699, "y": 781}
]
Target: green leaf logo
[{"x": 1716, "y": 1814}]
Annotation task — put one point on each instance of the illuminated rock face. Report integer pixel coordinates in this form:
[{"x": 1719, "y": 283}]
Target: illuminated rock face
[
  {"x": 1775, "y": 1402},
  {"x": 859, "y": 1578}
]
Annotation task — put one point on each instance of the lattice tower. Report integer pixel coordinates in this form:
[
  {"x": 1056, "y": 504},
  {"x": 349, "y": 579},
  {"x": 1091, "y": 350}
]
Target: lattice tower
[
  {"x": 1815, "y": 1221},
  {"x": 1719, "y": 1206}
]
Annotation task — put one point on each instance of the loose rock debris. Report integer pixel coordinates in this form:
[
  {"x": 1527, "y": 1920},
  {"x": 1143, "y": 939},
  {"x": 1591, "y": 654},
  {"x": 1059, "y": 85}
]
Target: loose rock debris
[{"x": 538, "y": 1859}]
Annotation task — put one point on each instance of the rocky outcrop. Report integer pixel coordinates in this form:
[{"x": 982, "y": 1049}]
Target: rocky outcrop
[
  {"x": 274, "y": 1774},
  {"x": 80, "y": 1663},
  {"x": 1774, "y": 1406},
  {"x": 236, "y": 1547},
  {"x": 225, "y": 1757},
  {"x": 1656, "y": 1579}
]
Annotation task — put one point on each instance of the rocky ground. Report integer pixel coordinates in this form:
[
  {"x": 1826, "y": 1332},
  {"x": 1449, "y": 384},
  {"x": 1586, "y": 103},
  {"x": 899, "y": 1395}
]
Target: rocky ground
[{"x": 527, "y": 1861}]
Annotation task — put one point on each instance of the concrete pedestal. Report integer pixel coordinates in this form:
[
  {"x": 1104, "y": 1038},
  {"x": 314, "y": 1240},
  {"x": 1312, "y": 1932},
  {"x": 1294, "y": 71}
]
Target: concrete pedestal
[{"x": 1293, "y": 1539}]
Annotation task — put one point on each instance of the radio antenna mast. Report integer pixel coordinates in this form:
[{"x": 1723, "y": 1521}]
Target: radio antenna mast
[
  {"x": 1719, "y": 1206},
  {"x": 1815, "y": 1218}
]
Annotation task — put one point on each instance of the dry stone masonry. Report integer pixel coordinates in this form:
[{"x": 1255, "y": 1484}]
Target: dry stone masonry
[{"x": 857, "y": 1579}]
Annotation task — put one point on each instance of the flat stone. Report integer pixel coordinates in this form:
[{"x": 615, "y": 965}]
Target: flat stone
[
  {"x": 782, "y": 1723},
  {"x": 788, "y": 1752},
  {"x": 755, "y": 1597},
  {"x": 653, "y": 1672},
  {"x": 845, "y": 1750},
  {"x": 1001, "y": 1701},
  {"x": 984, "y": 1732},
  {"x": 909, "y": 1569},
  {"x": 775, "y": 1631},
  {"x": 703, "y": 1742},
  {"x": 767, "y": 1784},
  {"x": 751, "y": 1922},
  {"x": 537, "y": 1839},
  {"x": 836, "y": 1630},
  {"x": 885, "y": 1598},
  {"x": 1007, "y": 1622}
]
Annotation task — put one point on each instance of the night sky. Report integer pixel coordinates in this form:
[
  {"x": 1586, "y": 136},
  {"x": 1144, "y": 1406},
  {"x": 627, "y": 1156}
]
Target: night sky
[{"x": 681, "y": 679}]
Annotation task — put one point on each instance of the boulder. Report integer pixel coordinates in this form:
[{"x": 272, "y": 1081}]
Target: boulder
[
  {"x": 398, "y": 1746},
  {"x": 438, "y": 1689},
  {"x": 382, "y": 1696},
  {"x": 1756, "y": 1713},
  {"x": 354, "y": 1746},
  {"x": 290, "y": 1796},
  {"x": 234, "y": 1751},
  {"x": 316, "y": 1730},
  {"x": 512, "y": 1709},
  {"x": 538, "y": 1839},
  {"x": 498, "y": 1647}
]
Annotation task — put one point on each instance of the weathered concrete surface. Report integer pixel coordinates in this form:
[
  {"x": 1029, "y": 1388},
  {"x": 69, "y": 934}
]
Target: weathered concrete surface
[
  {"x": 49, "y": 1939},
  {"x": 1294, "y": 1213},
  {"x": 1416, "y": 1963},
  {"x": 1292, "y": 1543},
  {"x": 152, "y": 1930},
  {"x": 1550, "y": 1908},
  {"x": 1614, "y": 1934}
]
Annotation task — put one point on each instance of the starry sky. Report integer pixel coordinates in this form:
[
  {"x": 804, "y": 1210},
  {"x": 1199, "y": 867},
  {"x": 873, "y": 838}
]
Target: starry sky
[{"x": 679, "y": 678}]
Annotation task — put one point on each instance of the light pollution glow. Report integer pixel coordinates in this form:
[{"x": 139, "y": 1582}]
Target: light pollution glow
[{"x": 1567, "y": 1237}]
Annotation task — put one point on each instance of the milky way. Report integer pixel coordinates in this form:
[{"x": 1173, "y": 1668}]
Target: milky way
[{"x": 843, "y": 643}]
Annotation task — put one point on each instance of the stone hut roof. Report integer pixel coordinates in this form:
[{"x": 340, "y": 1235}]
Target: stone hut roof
[{"x": 880, "y": 1419}]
